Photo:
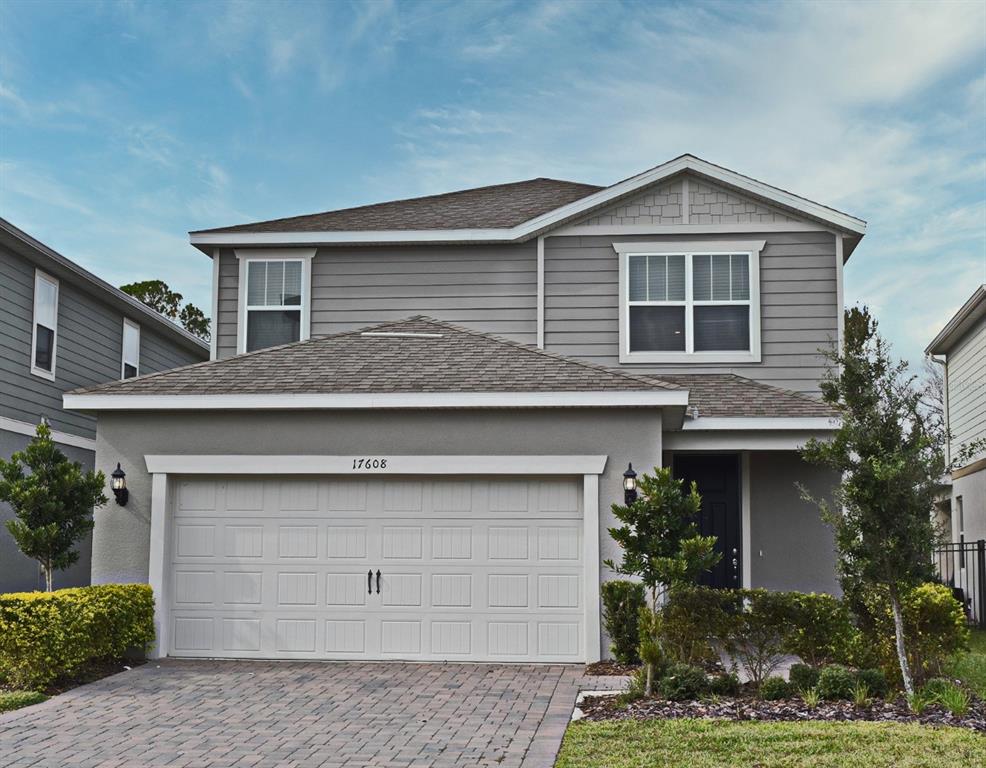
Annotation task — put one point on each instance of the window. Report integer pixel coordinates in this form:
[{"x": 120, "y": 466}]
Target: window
[
  {"x": 695, "y": 305},
  {"x": 130, "y": 365},
  {"x": 274, "y": 299},
  {"x": 44, "y": 341}
]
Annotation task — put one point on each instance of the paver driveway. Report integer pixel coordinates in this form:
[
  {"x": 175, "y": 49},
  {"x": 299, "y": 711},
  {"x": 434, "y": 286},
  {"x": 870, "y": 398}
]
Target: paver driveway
[{"x": 219, "y": 714}]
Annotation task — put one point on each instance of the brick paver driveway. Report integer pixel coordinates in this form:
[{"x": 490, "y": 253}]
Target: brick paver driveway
[{"x": 219, "y": 714}]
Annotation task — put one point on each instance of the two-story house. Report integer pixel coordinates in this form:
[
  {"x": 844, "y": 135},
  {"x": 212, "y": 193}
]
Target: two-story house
[
  {"x": 61, "y": 328},
  {"x": 962, "y": 343},
  {"x": 419, "y": 413}
]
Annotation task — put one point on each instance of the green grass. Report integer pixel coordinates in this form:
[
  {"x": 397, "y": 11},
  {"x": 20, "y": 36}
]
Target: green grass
[
  {"x": 10, "y": 700},
  {"x": 716, "y": 743},
  {"x": 970, "y": 667}
]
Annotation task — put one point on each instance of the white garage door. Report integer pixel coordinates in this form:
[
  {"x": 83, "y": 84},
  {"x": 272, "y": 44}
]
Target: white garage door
[{"x": 474, "y": 569}]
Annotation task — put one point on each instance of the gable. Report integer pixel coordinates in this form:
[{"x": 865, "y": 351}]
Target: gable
[{"x": 708, "y": 203}]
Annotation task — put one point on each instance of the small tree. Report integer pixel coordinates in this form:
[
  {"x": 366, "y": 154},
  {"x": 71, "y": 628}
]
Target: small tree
[
  {"x": 53, "y": 504},
  {"x": 890, "y": 462},
  {"x": 661, "y": 545}
]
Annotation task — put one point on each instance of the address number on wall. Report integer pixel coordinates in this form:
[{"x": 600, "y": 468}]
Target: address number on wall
[{"x": 369, "y": 463}]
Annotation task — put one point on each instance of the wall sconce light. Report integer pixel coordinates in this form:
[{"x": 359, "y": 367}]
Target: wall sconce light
[
  {"x": 629, "y": 486},
  {"x": 118, "y": 482}
]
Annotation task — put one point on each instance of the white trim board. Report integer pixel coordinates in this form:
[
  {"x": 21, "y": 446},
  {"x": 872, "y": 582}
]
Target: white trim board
[
  {"x": 761, "y": 423},
  {"x": 128, "y": 402},
  {"x": 741, "y": 440},
  {"x": 280, "y": 464},
  {"x": 544, "y": 222},
  {"x": 65, "y": 438}
]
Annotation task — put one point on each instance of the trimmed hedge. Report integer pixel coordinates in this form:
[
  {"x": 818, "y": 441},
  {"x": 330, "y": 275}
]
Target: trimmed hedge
[
  {"x": 47, "y": 635},
  {"x": 622, "y": 601}
]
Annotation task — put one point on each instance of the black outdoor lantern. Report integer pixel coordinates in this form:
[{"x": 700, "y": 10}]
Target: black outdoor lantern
[
  {"x": 629, "y": 486},
  {"x": 118, "y": 482}
]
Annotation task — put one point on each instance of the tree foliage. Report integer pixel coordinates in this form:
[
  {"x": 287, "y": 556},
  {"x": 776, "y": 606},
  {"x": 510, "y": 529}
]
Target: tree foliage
[
  {"x": 158, "y": 296},
  {"x": 890, "y": 461},
  {"x": 52, "y": 503}
]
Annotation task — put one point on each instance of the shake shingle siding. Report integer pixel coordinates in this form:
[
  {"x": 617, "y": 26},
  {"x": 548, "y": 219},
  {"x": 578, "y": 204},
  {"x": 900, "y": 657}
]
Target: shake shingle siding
[{"x": 798, "y": 305}]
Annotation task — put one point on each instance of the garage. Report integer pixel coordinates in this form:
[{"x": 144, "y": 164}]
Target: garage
[{"x": 379, "y": 567}]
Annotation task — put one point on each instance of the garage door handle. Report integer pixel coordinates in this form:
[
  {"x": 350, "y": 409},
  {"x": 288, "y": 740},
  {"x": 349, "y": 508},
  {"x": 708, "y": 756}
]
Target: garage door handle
[
  {"x": 378, "y": 582},
  {"x": 369, "y": 582}
]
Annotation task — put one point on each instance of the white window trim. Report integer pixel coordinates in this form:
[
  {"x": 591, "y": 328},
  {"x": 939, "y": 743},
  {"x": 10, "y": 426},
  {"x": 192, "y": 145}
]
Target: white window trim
[
  {"x": 127, "y": 322},
  {"x": 50, "y": 375},
  {"x": 750, "y": 247},
  {"x": 305, "y": 256}
]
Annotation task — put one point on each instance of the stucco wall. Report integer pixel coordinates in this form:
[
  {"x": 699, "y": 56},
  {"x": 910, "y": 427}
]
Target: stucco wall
[
  {"x": 972, "y": 489},
  {"x": 120, "y": 543},
  {"x": 790, "y": 546},
  {"x": 19, "y": 573}
]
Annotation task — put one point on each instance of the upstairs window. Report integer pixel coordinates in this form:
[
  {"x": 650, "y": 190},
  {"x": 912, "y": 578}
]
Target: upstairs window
[
  {"x": 130, "y": 365},
  {"x": 689, "y": 306},
  {"x": 45, "y": 327},
  {"x": 273, "y": 308}
]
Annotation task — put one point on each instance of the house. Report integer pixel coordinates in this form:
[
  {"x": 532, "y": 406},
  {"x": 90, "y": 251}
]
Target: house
[
  {"x": 962, "y": 342},
  {"x": 62, "y": 328},
  {"x": 419, "y": 413}
]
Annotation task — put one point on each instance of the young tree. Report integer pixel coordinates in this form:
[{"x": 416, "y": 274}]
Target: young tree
[
  {"x": 661, "y": 545},
  {"x": 889, "y": 458},
  {"x": 158, "y": 296},
  {"x": 53, "y": 504}
]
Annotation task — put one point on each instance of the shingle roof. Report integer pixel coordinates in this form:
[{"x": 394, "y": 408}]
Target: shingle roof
[
  {"x": 493, "y": 207},
  {"x": 724, "y": 395},
  {"x": 414, "y": 355}
]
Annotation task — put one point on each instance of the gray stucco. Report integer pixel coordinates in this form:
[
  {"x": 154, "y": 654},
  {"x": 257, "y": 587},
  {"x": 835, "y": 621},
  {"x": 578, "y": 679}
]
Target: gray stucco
[
  {"x": 972, "y": 489},
  {"x": 791, "y": 547},
  {"x": 120, "y": 541},
  {"x": 19, "y": 573}
]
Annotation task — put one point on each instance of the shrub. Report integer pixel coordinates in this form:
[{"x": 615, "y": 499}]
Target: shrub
[
  {"x": 934, "y": 688},
  {"x": 724, "y": 685},
  {"x": 11, "y": 700},
  {"x": 756, "y": 637},
  {"x": 803, "y": 677},
  {"x": 46, "y": 635},
  {"x": 693, "y": 618},
  {"x": 622, "y": 601},
  {"x": 683, "y": 682},
  {"x": 811, "y": 697},
  {"x": 954, "y": 699},
  {"x": 836, "y": 682},
  {"x": 821, "y": 630},
  {"x": 774, "y": 688},
  {"x": 934, "y": 625},
  {"x": 861, "y": 694},
  {"x": 875, "y": 682}
]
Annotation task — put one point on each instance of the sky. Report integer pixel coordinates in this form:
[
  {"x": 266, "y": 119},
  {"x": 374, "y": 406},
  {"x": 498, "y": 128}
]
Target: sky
[{"x": 123, "y": 125}]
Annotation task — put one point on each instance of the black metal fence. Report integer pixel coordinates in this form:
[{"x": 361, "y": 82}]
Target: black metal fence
[{"x": 961, "y": 565}]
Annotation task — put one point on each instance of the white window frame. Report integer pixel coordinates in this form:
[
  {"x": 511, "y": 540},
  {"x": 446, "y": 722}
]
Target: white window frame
[
  {"x": 39, "y": 277},
  {"x": 305, "y": 256},
  {"x": 128, "y": 323},
  {"x": 751, "y": 248}
]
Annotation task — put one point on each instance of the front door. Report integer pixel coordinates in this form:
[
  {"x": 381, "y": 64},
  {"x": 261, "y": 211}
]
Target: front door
[{"x": 718, "y": 480}]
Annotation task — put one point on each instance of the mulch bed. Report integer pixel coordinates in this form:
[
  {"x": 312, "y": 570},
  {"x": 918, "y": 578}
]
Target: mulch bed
[
  {"x": 785, "y": 710},
  {"x": 90, "y": 673},
  {"x": 607, "y": 668}
]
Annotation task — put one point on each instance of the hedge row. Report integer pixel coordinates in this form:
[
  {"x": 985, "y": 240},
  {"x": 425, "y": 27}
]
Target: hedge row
[{"x": 47, "y": 635}]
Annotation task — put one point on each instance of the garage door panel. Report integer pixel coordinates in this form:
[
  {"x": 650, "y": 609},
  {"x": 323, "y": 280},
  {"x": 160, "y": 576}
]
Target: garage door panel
[{"x": 258, "y": 575}]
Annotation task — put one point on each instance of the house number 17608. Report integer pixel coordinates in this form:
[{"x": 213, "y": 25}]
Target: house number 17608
[{"x": 369, "y": 464}]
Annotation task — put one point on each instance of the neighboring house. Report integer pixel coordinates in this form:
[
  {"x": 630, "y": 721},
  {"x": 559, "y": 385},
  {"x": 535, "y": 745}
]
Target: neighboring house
[
  {"x": 962, "y": 342},
  {"x": 420, "y": 412},
  {"x": 61, "y": 328}
]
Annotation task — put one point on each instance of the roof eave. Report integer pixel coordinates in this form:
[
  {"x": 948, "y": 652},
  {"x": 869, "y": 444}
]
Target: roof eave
[{"x": 961, "y": 321}]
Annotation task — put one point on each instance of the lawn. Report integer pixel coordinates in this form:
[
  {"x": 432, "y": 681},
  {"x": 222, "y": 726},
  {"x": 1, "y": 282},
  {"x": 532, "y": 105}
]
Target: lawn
[
  {"x": 714, "y": 743},
  {"x": 971, "y": 667},
  {"x": 11, "y": 700}
]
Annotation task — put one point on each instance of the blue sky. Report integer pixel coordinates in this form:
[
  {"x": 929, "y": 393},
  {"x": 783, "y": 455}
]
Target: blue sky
[{"x": 125, "y": 124}]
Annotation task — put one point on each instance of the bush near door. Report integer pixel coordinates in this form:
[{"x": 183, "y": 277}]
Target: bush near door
[
  {"x": 48, "y": 635},
  {"x": 622, "y": 601}
]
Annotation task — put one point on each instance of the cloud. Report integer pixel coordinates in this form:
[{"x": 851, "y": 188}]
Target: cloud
[{"x": 21, "y": 181}]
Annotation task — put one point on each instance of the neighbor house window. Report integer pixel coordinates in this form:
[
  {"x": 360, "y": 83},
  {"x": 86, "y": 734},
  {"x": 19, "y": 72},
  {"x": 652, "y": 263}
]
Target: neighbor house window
[
  {"x": 274, "y": 302},
  {"x": 43, "y": 344},
  {"x": 130, "y": 365},
  {"x": 692, "y": 305}
]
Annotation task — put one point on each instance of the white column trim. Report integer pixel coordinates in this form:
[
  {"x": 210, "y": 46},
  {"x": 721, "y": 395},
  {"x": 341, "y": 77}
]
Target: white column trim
[
  {"x": 214, "y": 329},
  {"x": 157, "y": 569},
  {"x": 591, "y": 554},
  {"x": 745, "y": 520},
  {"x": 540, "y": 300}
]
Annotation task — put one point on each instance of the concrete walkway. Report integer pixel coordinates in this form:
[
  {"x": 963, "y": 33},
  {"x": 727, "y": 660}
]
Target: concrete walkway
[{"x": 226, "y": 714}]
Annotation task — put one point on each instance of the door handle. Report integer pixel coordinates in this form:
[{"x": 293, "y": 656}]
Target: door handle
[
  {"x": 378, "y": 582},
  {"x": 369, "y": 582}
]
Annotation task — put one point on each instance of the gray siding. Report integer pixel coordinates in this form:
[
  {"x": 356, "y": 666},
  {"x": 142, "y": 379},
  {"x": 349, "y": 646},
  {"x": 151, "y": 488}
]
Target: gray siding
[
  {"x": 798, "y": 305},
  {"x": 967, "y": 389},
  {"x": 88, "y": 348},
  {"x": 488, "y": 287}
]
